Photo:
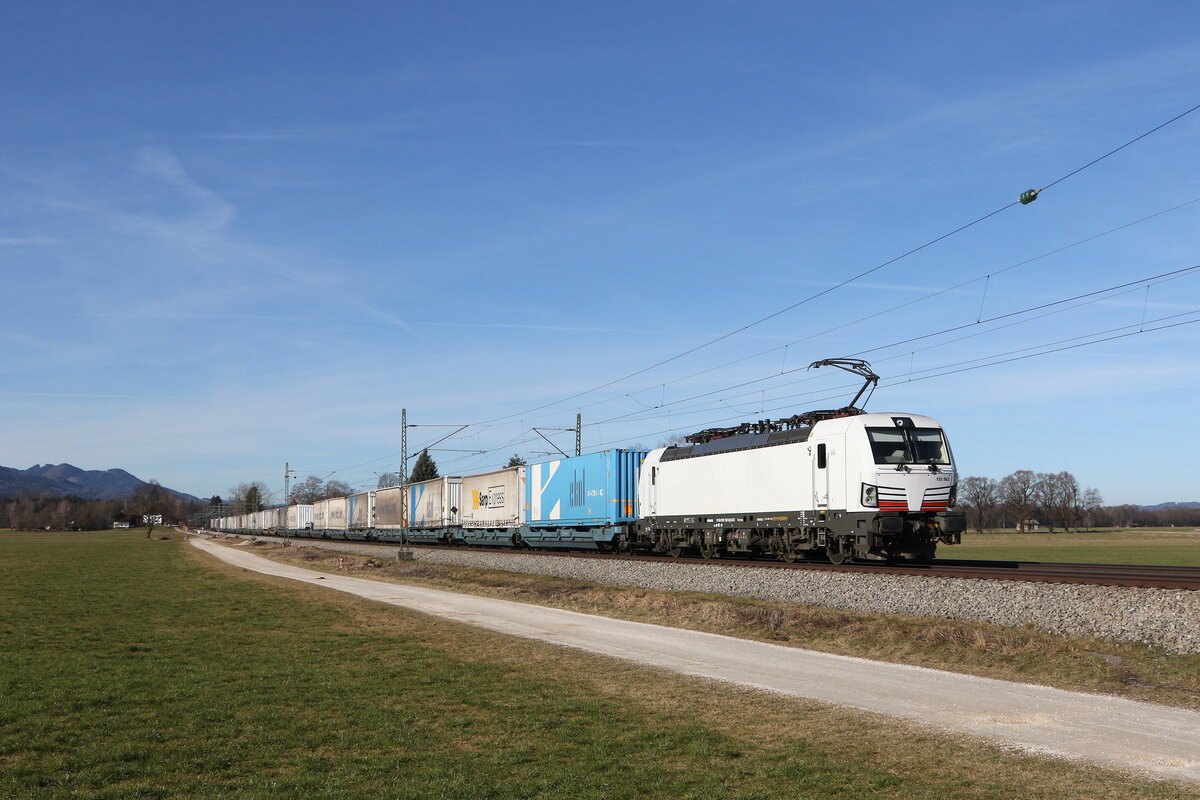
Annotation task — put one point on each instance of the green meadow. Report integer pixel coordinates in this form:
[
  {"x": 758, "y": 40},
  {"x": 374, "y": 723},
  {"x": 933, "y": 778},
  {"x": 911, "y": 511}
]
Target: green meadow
[
  {"x": 1143, "y": 546},
  {"x": 137, "y": 668}
]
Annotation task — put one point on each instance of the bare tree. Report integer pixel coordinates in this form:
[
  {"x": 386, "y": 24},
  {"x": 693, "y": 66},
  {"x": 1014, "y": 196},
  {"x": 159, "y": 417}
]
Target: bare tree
[
  {"x": 980, "y": 496},
  {"x": 388, "y": 480},
  {"x": 1017, "y": 496},
  {"x": 248, "y": 497},
  {"x": 336, "y": 489},
  {"x": 1066, "y": 499},
  {"x": 60, "y": 515},
  {"x": 307, "y": 491},
  {"x": 1090, "y": 503},
  {"x": 1044, "y": 496},
  {"x": 21, "y": 514},
  {"x": 1057, "y": 494},
  {"x": 148, "y": 501}
]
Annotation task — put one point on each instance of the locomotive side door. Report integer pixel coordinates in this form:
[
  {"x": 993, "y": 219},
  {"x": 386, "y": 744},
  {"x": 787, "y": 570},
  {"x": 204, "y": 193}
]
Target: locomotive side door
[
  {"x": 820, "y": 475},
  {"x": 651, "y": 508}
]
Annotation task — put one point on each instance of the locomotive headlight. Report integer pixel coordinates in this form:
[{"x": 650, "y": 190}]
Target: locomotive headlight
[
  {"x": 870, "y": 495},
  {"x": 953, "y": 496}
]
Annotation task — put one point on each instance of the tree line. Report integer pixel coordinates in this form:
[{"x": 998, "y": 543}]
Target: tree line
[
  {"x": 43, "y": 512},
  {"x": 1054, "y": 500}
]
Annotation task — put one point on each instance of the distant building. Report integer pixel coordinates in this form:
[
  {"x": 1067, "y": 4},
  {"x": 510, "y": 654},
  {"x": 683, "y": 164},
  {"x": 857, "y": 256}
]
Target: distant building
[{"x": 1029, "y": 526}]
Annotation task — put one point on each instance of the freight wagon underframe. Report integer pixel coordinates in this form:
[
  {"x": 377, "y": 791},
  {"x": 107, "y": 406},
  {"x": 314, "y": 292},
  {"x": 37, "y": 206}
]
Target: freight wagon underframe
[{"x": 603, "y": 538}]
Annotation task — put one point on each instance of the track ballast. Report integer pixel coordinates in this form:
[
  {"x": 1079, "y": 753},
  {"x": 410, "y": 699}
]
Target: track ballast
[{"x": 1144, "y": 575}]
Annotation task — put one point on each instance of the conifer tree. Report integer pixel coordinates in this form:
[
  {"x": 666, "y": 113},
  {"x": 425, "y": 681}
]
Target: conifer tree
[{"x": 425, "y": 469}]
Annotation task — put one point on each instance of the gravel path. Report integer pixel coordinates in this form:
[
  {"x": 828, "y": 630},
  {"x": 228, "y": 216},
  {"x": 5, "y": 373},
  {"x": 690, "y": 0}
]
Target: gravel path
[
  {"x": 1150, "y": 739},
  {"x": 1168, "y": 618}
]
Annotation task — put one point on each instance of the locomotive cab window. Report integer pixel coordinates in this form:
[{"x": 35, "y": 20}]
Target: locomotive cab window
[{"x": 908, "y": 446}]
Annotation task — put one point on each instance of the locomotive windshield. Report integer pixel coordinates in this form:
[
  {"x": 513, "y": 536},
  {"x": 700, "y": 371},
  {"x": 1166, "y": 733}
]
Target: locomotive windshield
[{"x": 908, "y": 446}]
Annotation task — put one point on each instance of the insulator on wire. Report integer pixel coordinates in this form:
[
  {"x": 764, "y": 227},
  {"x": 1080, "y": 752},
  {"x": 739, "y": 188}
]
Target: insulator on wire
[{"x": 1029, "y": 196}]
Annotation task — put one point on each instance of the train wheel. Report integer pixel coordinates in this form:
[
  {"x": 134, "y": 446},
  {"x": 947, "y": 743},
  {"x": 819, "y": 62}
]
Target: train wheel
[
  {"x": 788, "y": 555},
  {"x": 708, "y": 549},
  {"x": 839, "y": 550}
]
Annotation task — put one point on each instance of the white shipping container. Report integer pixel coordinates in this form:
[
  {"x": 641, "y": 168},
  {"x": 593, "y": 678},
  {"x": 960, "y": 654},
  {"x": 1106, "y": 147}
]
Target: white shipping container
[
  {"x": 388, "y": 507},
  {"x": 494, "y": 499},
  {"x": 319, "y": 516},
  {"x": 434, "y": 503},
  {"x": 335, "y": 514},
  {"x": 298, "y": 517},
  {"x": 361, "y": 510}
]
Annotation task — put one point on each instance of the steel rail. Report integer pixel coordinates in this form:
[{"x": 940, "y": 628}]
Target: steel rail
[{"x": 1157, "y": 576}]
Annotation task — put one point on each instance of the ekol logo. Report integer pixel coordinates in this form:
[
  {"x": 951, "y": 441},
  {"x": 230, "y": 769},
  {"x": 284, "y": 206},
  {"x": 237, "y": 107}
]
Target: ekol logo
[{"x": 578, "y": 480}]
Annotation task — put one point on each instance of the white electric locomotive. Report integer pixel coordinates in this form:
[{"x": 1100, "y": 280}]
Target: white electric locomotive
[{"x": 842, "y": 483}]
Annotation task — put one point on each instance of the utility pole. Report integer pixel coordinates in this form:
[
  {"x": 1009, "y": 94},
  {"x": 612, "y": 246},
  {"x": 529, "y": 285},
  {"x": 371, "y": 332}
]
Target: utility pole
[
  {"x": 578, "y": 436},
  {"x": 403, "y": 474},
  {"x": 287, "y": 477}
]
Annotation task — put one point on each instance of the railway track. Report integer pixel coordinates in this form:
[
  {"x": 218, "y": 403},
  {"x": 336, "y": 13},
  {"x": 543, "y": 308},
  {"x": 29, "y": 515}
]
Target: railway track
[
  {"x": 1144, "y": 575},
  {"x": 1152, "y": 576}
]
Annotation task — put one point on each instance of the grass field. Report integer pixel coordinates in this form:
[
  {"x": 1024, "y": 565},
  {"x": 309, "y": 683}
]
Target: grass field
[
  {"x": 1156, "y": 546},
  {"x": 136, "y": 669},
  {"x": 1134, "y": 671}
]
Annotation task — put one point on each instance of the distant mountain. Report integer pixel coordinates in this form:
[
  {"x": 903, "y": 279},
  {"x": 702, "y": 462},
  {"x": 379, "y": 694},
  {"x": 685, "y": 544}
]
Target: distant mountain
[
  {"x": 59, "y": 480},
  {"x": 1161, "y": 506}
]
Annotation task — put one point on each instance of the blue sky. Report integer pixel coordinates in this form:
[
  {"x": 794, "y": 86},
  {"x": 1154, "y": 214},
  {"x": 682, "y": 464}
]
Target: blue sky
[{"x": 235, "y": 235}]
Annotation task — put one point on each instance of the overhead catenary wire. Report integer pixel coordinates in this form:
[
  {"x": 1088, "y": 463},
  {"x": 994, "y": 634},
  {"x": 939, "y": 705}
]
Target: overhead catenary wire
[
  {"x": 908, "y": 375},
  {"x": 1091, "y": 297},
  {"x": 827, "y": 290},
  {"x": 856, "y": 277},
  {"x": 905, "y": 378},
  {"x": 784, "y": 371},
  {"x": 984, "y": 277},
  {"x": 946, "y": 290},
  {"x": 1008, "y": 315}
]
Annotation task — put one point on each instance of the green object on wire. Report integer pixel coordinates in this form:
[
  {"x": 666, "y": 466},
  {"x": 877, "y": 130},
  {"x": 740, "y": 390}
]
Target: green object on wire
[{"x": 1029, "y": 196}]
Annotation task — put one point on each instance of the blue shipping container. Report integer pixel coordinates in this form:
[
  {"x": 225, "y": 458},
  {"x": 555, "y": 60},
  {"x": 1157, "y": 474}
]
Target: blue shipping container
[{"x": 583, "y": 491}]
